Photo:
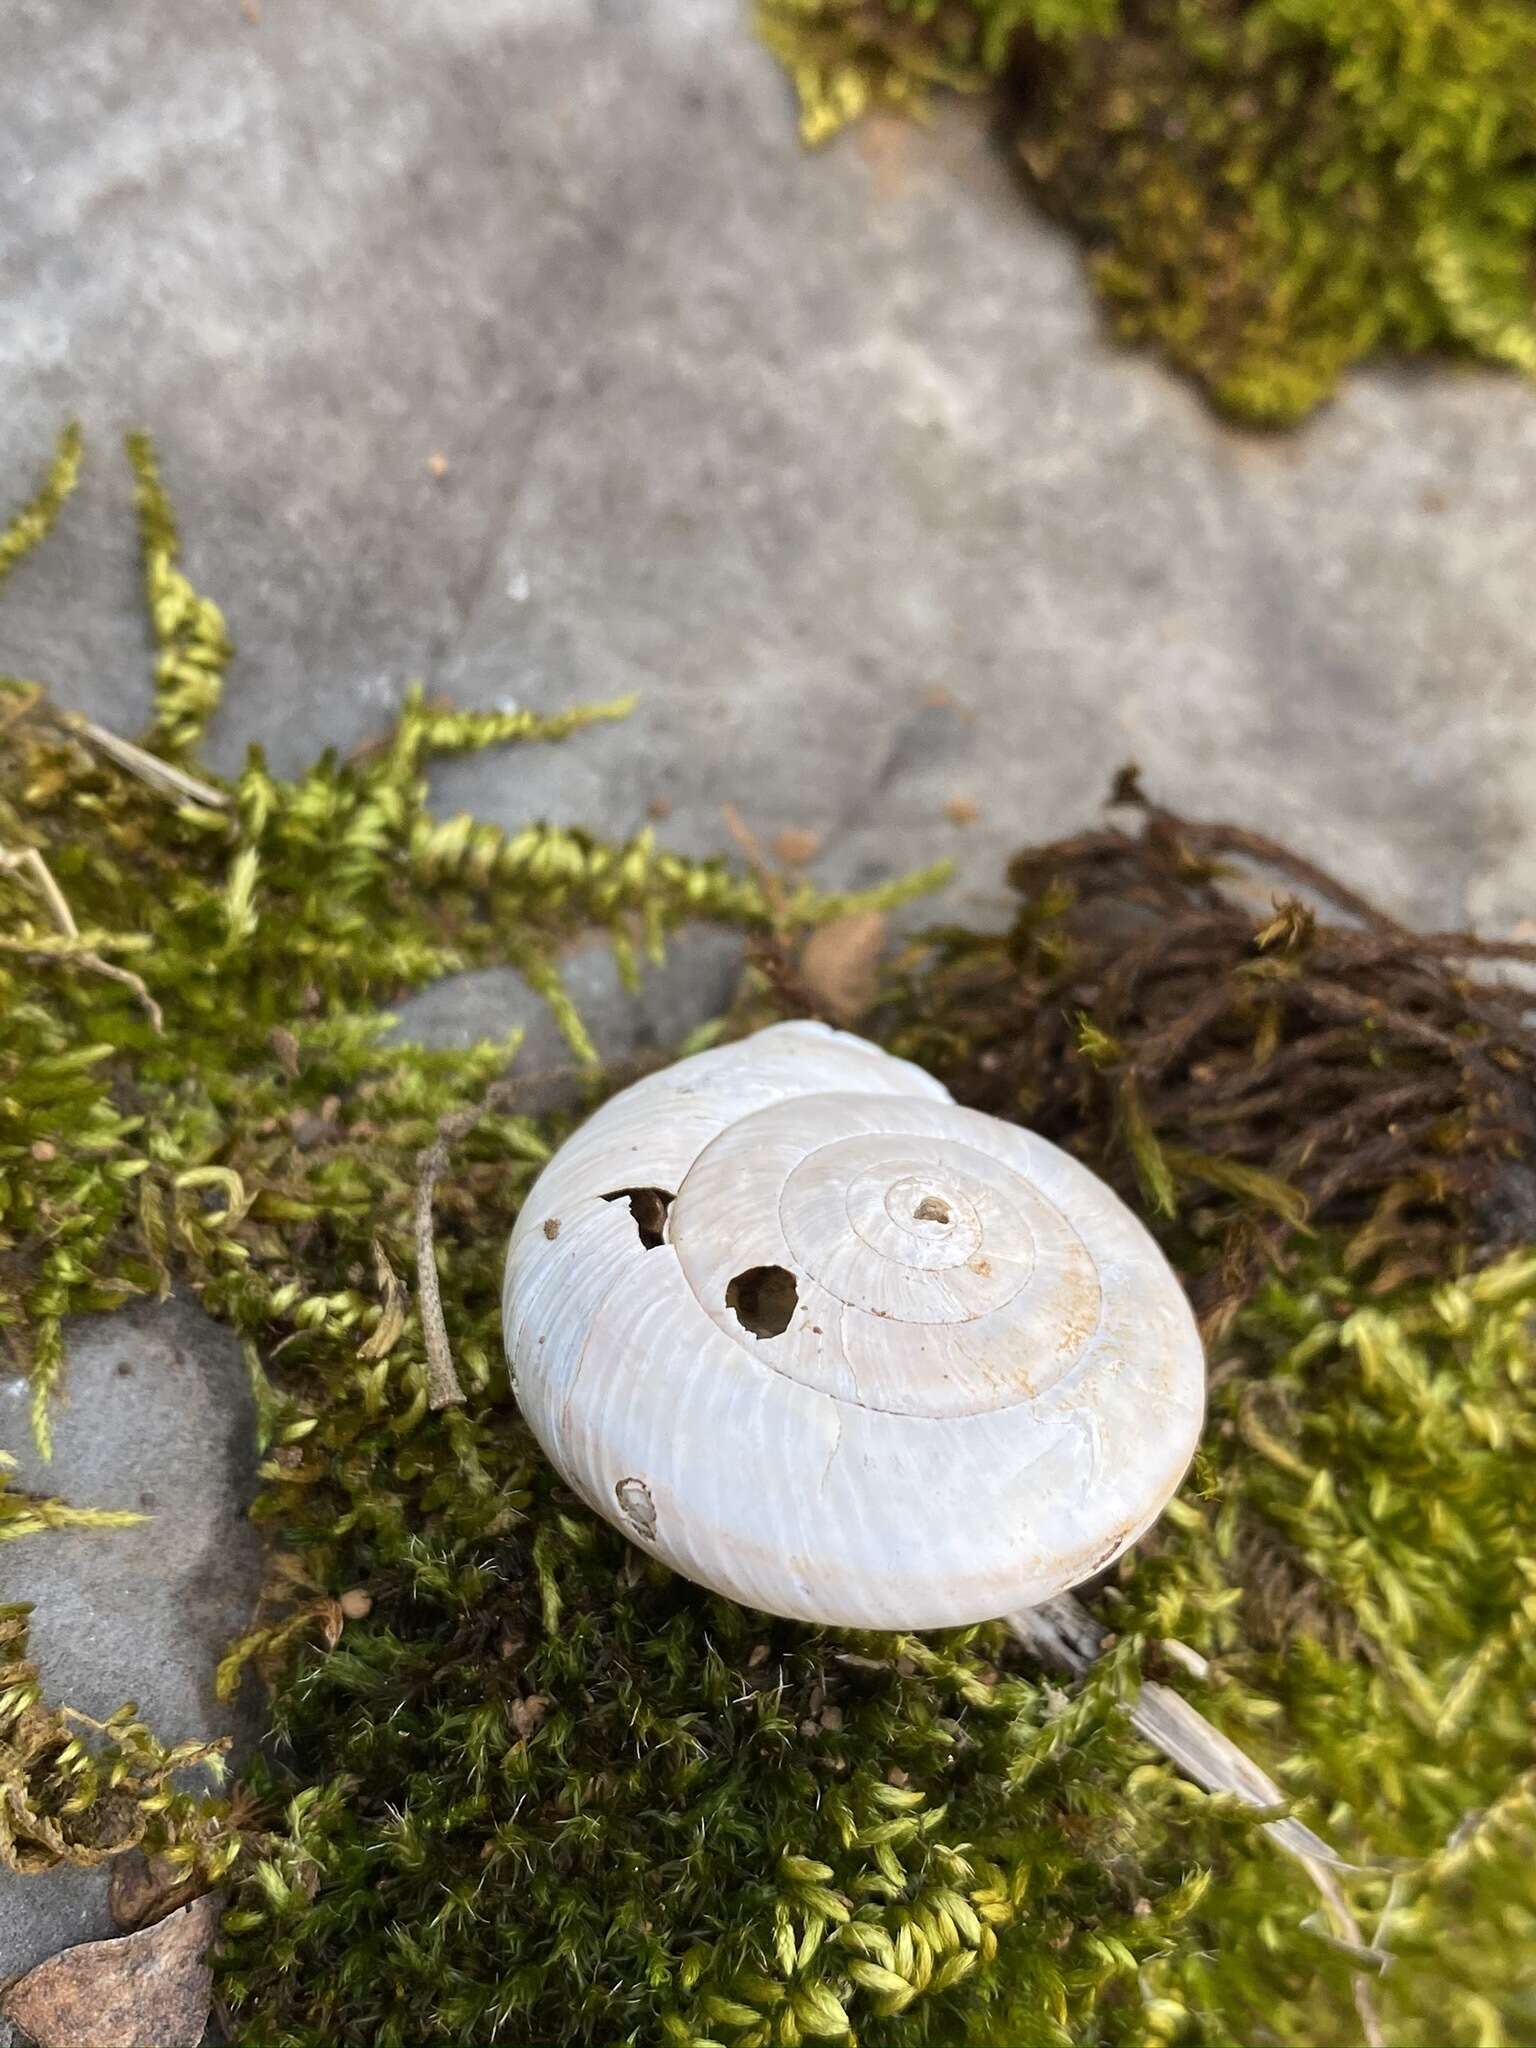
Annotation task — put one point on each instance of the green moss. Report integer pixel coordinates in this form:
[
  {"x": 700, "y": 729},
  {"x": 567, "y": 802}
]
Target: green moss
[
  {"x": 1267, "y": 190},
  {"x": 79, "y": 1792},
  {"x": 190, "y": 636},
  {"x": 524, "y": 1785},
  {"x": 553, "y": 1792},
  {"x": 34, "y": 521}
]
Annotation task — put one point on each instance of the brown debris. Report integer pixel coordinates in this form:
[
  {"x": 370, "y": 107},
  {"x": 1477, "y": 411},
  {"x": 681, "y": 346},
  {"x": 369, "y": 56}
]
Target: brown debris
[
  {"x": 939, "y": 699},
  {"x": 752, "y": 851},
  {"x": 884, "y": 141},
  {"x": 962, "y": 810},
  {"x": 152, "y": 1989},
  {"x": 1247, "y": 1065},
  {"x": 391, "y": 1323},
  {"x": 443, "y": 1389},
  {"x": 529, "y": 1715},
  {"x": 142, "y": 1890},
  {"x": 794, "y": 847},
  {"x": 839, "y": 968}
]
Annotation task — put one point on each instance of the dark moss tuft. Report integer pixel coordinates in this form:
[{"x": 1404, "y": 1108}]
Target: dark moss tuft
[{"x": 1267, "y": 190}]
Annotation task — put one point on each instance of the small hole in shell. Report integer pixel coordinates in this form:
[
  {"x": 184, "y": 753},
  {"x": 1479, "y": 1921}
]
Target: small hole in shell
[
  {"x": 649, "y": 1208},
  {"x": 636, "y": 1506},
  {"x": 931, "y": 1210},
  {"x": 763, "y": 1299}
]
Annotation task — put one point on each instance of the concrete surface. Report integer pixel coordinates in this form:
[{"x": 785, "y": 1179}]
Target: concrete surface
[
  {"x": 159, "y": 1419},
  {"x": 828, "y": 457}
]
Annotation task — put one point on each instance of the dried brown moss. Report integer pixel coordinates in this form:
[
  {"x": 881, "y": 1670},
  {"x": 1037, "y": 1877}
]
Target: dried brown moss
[
  {"x": 1242, "y": 1040},
  {"x": 80, "y": 1792}
]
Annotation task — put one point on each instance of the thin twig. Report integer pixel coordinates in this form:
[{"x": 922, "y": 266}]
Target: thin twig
[
  {"x": 1063, "y": 1633},
  {"x": 1218, "y": 838},
  {"x": 163, "y": 776},
  {"x": 752, "y": 849},
  {"x": 29, "y": 859},
  {"x": 123, "y": 975},
  {"x": 443, "y": 1388}
]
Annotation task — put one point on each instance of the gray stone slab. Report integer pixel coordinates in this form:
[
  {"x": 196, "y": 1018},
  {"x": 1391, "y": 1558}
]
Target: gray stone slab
[
  {"x": 158, "y": 1419},
  {"x": 784, "y": 442}
]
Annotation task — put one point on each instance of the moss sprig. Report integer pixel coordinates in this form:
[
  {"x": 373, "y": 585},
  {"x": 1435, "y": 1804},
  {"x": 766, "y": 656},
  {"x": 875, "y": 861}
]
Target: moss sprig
[
  {"x": 31, "y": 524},
  {"x": 26, "y": 1514},
  {"x": 191, "y": 639}
]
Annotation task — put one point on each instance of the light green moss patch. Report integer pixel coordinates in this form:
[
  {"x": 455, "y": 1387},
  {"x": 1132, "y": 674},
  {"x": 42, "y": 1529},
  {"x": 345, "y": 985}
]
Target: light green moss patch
[{"x": 1267, "y": 190}]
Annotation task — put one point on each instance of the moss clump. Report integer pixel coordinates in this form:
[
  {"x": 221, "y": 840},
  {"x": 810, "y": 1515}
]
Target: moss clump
[
  {"x": 1259, "y": 1072},
  {"x": 79, "y": 1792},
  {"x": 1268, "y": 190},
  {"x": 550, "y": 1792},
  {"x": 525, "y": 1785}
]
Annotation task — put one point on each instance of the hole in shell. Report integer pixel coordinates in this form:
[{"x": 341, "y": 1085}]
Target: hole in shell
[
  {"x": 931, "y": 1210},
  {"x": 649, "y": 1208},
  {"x": 636, "y": 1506},
  {"x": 762, "y": 1299}
]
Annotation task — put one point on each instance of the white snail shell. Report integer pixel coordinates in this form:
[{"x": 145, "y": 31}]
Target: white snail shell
[{"x": 988, "y": 1385}]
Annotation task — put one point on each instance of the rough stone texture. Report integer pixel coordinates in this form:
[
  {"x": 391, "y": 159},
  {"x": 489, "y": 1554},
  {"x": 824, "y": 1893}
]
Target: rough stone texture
[
  {"x": 785, "y": 442},
  {"x": 159, "y": 1419},
  {"x": 791, "y": 445},
  {"x": 695, "y": 981},
  {"x": 148, "y": 1990}
]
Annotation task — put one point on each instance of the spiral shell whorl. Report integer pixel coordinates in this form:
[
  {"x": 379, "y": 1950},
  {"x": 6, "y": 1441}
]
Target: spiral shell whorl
[
  {"x": 978, "y": 1380},
  {"x": 980, "y": 1301}
]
